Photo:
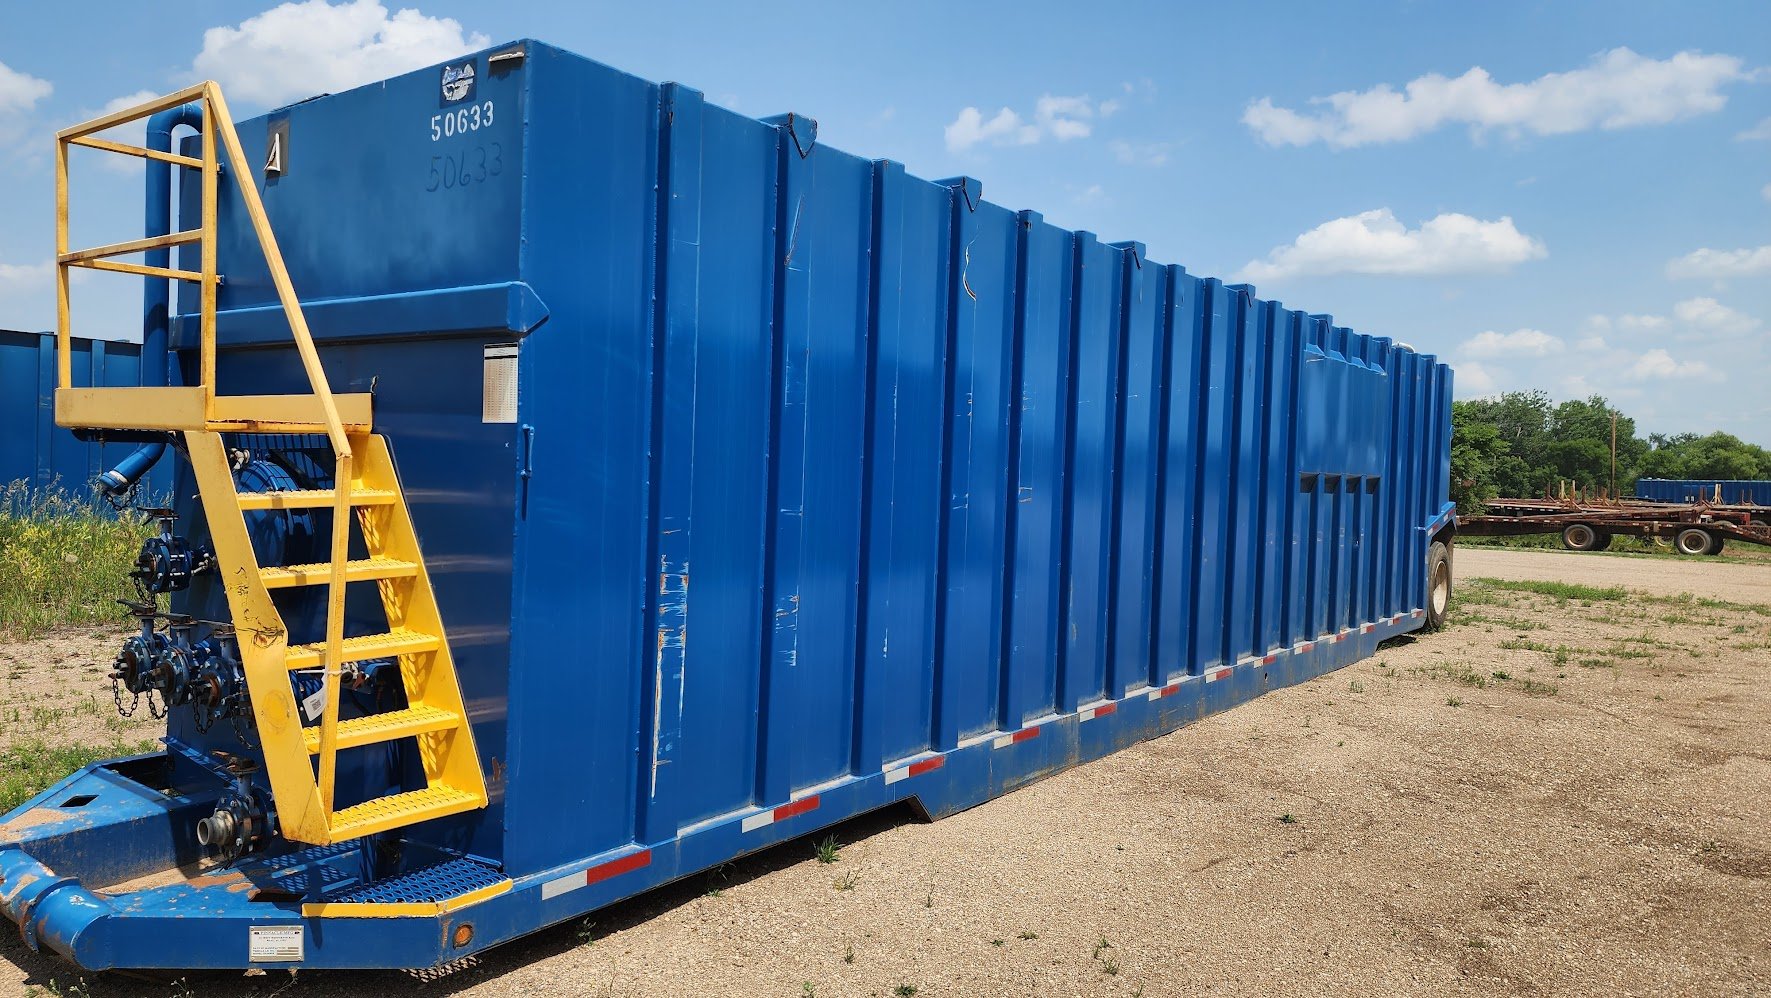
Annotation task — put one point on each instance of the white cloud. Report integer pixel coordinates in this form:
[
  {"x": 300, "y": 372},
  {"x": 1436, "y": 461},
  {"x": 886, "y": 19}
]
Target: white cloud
[
  {"x": 1374, "y": 242},
  {"x": 19, "y": 94},
  {"x": 1658, "y": 365},
  {"x": 1707, "y": 315},
  {"x": 24, "y": 278},
  {"x": 1004, "y": 129},
  {"x": 1617, "y": 89},
  {"x": 1518, "y": 343},
  {"x": 1139, "y": 153},
  {"x": 1061, "y": 118},
  {"x": 1757, "y": 133},
  {"x": 1716, "y": 264},
  {"x": 297, "y": 50},
  {"x": 1472, "y": 380}
]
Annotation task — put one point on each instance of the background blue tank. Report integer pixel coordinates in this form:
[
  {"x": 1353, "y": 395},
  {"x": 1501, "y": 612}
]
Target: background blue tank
[
  {"x": 1733, "y": 492},
  {"x": 762, "y": 485}
]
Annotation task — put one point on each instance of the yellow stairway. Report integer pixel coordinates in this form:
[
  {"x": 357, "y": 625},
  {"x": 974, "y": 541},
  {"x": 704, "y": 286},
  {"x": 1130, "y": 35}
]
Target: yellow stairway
[{"x": 300, "y": 762}]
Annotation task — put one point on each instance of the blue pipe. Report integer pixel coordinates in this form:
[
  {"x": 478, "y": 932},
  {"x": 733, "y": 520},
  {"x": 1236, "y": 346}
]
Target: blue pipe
[{"x": 156, "y": 319}]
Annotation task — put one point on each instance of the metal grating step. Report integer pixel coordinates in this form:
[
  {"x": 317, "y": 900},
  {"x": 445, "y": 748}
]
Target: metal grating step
[
  {"x": 360, "y": 731},
  {"x": 398, "y": 641},
  {"x": 399, "y": 810},
  {"x": 431, "y": 885},
  {"x": 320, "y": 573},
  {"x": 313, "y": 498}
]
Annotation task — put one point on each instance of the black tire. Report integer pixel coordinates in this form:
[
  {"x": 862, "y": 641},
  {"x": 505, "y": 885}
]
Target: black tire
[
  {"x": 1603, "y": 542},
  {"x": 1580, "y": 537},
  {"x": 1716, "y": 544},
  {"x": 1438, "y": 585},
  {"x": 1693, "y": 541}
]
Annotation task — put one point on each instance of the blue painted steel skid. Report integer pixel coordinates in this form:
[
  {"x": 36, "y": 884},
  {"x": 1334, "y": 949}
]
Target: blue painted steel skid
[
  {"x": 824, "y": 487},
  {"x": 1732, "y": 492}
]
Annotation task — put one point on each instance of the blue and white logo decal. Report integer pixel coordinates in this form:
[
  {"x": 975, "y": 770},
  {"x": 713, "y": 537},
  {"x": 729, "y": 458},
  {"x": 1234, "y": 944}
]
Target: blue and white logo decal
[{"x": 458, "y": 82}]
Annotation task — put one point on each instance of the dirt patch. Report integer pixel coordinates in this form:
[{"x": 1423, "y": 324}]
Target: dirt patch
[
  {"x": 54, "y": 691},
  {"x": 1555, "y": 796}
]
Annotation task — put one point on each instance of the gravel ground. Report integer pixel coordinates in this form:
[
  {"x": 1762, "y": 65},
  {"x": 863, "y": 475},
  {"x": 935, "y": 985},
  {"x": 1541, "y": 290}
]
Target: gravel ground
[{"x": 1557, "y": 795}]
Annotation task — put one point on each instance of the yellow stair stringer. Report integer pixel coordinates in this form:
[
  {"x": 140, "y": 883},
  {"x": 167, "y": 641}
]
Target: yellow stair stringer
[
  {"x": 263, "y": 641},
  {"x": 450, "y": 756}
]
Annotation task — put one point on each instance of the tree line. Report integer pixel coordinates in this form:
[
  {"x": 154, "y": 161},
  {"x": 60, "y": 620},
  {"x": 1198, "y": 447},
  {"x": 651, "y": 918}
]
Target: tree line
[{"x": 1520, "y": 444}]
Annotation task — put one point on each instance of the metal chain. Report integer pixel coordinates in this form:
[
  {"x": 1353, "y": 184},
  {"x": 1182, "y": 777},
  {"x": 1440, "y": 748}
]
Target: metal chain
[{"x": 117, "y": 695}]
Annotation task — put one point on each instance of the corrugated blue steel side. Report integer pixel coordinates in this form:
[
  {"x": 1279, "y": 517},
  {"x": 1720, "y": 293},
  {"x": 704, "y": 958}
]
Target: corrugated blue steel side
[
  {"x": 1735, "y": 492},
  {"x": 873, "y": 467},
  {"x": 35, "y": 450}
]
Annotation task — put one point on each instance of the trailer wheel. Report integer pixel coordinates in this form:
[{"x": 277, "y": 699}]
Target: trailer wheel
[
  {"x": 1716, "y": 544},
  {"x": 1438, "y": 585},
  {"x": 1693, "y": 540},
  {"x": 1603, "y": 542},
  {"x": 1580, "y": 537}
]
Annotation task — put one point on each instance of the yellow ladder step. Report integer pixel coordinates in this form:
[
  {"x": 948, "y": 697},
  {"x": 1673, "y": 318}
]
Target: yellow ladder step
[
  {"x": 320, "y": 573},
  {"x": 359, "y": 731},
  {"x": 313, "y": 498},
  {"x": 399, "y": 810},
  {"x": 398, "y": 641}
]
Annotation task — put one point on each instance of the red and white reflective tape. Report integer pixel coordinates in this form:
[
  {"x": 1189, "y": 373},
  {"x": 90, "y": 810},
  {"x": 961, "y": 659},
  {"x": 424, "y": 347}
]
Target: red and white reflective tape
[
  {"x": 1098, "y": 710},
  {"x": 1221, "y": 672},
  {"x": 597, "y": 874},
  {"x": 914, "y": 769},
  {"x": 1418, "y": 613},
  {"x": 1302, "y": 647},
  {"x": 1025, "y": 734},
  {"x": 1164, "y": 691},
  {"x": 1334, "y": 638},
  {"x": 1271, "y": 657},
  {"x": 1368, "y": 628},
  {"x": 1247, "y": 660},
  {"x": 781, "y": 813}
]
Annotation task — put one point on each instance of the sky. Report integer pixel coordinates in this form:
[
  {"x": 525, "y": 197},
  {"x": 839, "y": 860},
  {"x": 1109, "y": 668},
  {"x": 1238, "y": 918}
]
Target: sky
[{"x": 1566, "y": 196}]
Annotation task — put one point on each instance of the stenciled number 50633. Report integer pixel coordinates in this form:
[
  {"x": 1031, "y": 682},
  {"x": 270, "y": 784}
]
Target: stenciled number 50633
[{"x": 461, "y": 121}]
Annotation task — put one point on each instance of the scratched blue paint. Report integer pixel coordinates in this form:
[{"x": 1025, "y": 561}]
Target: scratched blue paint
[{"x": 819, "y": 469}]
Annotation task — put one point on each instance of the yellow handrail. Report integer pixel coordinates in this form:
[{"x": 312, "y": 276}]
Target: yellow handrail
[{"x": 217, "y": 121}]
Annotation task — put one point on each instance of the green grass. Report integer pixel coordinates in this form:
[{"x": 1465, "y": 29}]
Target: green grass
[
  {"x": 31, "y": 767},
  {"x": 62, "y": 560},
  {"x": 1560, "y": 591}
]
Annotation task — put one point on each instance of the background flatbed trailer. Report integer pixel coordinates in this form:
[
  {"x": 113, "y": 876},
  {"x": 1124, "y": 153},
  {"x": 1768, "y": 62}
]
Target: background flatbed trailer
[{"x": 1692, "y": 528}]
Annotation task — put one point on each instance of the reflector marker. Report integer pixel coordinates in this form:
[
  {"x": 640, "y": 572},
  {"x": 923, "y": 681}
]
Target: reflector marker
[
  {"x": 1303, "y": 646},
  {"x": 1098, "y": 710},
  {"x": 1025, "y": 734},
  {"x": 1418, "y": 613},
  {"x": 1270, "y": 659},
  {"x": 597, "y": 874},
  {"x": 1334, "y": 638},
  {"x": 1368, "y": 628},
  {"x": 781, "y": 813},
  {"x": 914, "y": 769},
  {"x": 1164, "y": 691},
  {"x": 1221, "y": 672},
  {"x": 1247, "y": 660}
]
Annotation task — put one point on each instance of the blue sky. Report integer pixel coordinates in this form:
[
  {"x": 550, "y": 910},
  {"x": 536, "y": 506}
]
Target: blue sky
[{"x": 1567, "y": 196}]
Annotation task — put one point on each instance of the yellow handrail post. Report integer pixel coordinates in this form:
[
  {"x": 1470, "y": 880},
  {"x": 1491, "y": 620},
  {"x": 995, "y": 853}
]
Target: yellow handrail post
[
  {"x": 64, "y": 363},
  {"x": 206, "y": 292}
]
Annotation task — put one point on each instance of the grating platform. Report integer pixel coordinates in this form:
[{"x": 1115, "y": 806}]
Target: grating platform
[
  {"x": 430, "y": 892},
  {"x": 320, "y": 573},
  {"x": 431, "y": 885}
]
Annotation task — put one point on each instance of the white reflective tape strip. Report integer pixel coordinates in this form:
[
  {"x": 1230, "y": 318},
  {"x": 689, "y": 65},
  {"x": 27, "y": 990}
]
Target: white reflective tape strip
[
  {"x": 757, "y": 821},
  {"x": 1090, "y": 713},
  {"x": 894, "y": 775},
  {"x": 554, "y": 888},
  {"x": 1220, "y": 672},
  {"x": 1248, "y": 660},
  {"x": 1003, "y": 741}
]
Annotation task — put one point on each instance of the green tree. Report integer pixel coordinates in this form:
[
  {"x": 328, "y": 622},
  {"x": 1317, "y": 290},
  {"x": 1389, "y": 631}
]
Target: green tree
[{"x": 1477, "y": 454}]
